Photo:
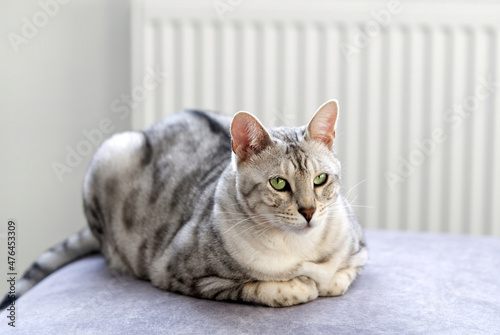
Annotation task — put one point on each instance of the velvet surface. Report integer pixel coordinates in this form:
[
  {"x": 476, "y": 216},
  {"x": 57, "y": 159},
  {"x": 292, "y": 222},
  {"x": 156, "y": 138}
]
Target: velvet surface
[{"x": 414, "y": 283}]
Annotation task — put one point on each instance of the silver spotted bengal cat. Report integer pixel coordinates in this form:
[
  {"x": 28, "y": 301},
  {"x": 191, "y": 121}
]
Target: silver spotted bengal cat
[{"x": 220, "y": 208}]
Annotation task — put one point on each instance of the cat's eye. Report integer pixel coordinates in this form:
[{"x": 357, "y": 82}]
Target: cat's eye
[
  {"x": 320, "y": 180},
  {"x": 278, "y": 184}
]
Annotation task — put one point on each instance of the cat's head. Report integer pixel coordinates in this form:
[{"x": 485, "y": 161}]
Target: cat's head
[{"x": 288, "y": 177}]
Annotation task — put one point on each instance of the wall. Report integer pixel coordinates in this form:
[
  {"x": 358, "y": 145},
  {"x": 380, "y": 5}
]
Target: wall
[{"x": 60, "y": 82}]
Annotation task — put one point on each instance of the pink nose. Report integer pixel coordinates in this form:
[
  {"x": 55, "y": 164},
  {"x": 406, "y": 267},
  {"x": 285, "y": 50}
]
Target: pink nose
[{"x": 307, "y": 213}]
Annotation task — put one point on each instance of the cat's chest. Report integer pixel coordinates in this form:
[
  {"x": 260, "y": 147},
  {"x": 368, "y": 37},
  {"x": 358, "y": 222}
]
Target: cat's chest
[{"x": 278, "y": 258}]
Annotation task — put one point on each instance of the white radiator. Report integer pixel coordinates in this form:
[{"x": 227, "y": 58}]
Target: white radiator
[{"x": 416, "y": 162}]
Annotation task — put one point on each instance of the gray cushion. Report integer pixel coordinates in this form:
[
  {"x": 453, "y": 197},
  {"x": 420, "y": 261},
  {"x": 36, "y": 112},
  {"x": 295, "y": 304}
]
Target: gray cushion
[{"x": 413, "y": 283}]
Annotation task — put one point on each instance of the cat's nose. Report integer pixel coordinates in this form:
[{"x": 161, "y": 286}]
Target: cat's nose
[{"x": 307, "y": 213}]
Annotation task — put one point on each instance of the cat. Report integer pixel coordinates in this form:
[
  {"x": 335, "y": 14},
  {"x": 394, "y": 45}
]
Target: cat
[{"x": 220, "y": 208}]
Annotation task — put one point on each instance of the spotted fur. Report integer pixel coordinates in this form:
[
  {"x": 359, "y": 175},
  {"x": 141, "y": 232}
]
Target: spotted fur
[{"x": 188, "y": 205}]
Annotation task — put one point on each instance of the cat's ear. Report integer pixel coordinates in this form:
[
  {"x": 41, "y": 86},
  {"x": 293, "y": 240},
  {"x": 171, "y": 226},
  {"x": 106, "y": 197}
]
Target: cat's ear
[
  {"x": 248, "y": 135},
  {"x": 321, "y": 128}
]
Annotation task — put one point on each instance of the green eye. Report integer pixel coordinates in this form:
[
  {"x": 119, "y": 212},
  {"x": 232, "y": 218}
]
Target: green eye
[
  {"x": 278, "y": 183},
  {"x": 320, "y": 180}
]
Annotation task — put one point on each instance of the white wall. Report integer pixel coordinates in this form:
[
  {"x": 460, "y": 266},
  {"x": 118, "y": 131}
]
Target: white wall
[{"x": 59, "y": 83}]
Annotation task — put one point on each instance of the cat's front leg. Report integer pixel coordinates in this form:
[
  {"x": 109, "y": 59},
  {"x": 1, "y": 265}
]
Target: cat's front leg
[
  {"x": 280, "y": 294},
  {"x": 340, "y": 282}
]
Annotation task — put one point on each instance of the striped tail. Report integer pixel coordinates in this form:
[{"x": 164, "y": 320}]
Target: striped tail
[{"x": 76, "y": 246}]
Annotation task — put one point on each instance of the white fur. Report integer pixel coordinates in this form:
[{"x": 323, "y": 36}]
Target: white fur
[{"x": 120, "y": 150}]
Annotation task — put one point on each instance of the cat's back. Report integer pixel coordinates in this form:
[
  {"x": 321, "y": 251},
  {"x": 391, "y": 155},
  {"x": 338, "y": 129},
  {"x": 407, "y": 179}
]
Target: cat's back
[
  {"x": 189, "y": 151},
  {"x": 190, "y": 132},
  {"x": 180, "y": 143},
  {"x": 150, "y": 183}
]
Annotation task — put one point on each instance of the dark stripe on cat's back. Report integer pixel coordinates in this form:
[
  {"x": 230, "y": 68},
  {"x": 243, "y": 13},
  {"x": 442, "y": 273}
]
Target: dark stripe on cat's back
[
  {"x": 97, "y": 210},
  {"x": 210, "y": 178},
  {"x": 165, "y": 234},
  {"x": 157, "y": 184},
  {"x": 110, "y": 186},
  {"x": 147, "y": 151},
  {"x": 215, "y": 174},
  {"x": 185, "y": 204},
  {"x": 129, "y": 209},
  {"x": 214, "y": 125},
  {"x": 160, "y": 235}
]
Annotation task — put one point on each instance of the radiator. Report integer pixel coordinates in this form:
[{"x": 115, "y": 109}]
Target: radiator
[{"x": 418, "y": 133}]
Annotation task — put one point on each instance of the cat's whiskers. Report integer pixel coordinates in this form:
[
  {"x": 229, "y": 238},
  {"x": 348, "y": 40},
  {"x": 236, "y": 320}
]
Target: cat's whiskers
[
  {"x": 237, "y": 224},
  {"x": 351, "y": 203},
  {"x": 264, "y": 230},
  {"x": 269, "y": 221},
  {"x": 339, "y": 216},
  {"x": 331, "y": 210},
  {"x": 361, "y": 206},
  {"x": 254, "y": 218},
  {"x": 334, "y": 206},
  {"x": 256, "y": 226},
  {"x": 353, "y": 187}
]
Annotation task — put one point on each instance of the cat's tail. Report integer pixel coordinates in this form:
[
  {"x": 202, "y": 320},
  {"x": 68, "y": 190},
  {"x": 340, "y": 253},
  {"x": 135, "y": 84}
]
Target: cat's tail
[{"x": 81, "y": 244}]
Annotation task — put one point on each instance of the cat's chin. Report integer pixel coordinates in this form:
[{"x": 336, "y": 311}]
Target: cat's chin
[{"x": 304, "y": 230}]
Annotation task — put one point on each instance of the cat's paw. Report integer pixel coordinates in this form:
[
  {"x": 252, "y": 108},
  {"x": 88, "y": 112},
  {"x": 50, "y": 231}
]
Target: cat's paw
[
  {"x": 339, "y": 283},
  {"x": 299, "y": 290},
  {"x": 296, "y": 291}
]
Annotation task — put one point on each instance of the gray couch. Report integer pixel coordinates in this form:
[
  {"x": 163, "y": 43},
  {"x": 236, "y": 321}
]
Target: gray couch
[{"x": 414, "y": 283}]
